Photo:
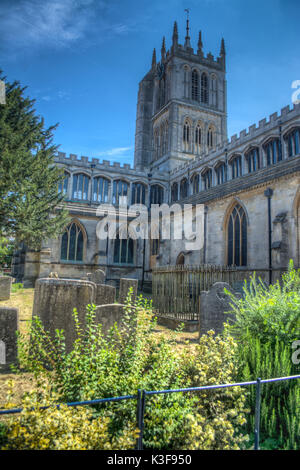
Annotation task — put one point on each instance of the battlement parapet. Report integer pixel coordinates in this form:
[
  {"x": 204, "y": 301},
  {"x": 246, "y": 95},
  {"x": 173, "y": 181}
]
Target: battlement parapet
[
  {"x": 245, "y": 137},
  {"x": 63, "y": 158}
]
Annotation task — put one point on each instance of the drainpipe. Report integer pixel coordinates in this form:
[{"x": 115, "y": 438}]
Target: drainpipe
[
  {"x": 268, "y": 194},
  {"x": 205, "y": 234}
]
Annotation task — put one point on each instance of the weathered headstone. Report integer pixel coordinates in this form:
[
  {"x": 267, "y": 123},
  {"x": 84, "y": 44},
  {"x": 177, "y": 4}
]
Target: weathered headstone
[
  {"x": 105, "y": 294},
  {"x": 2, "y": 353},
  {"x": 9, "y": 319},
  {"x": 213, "y": 305},
  {"x": 108, "y": 315},
  {"x": 5, "y": 287},
  {"x": 125, "y": 285},
  {"x": 98, "y": 277},
  {"x": 55, "y": 300}
]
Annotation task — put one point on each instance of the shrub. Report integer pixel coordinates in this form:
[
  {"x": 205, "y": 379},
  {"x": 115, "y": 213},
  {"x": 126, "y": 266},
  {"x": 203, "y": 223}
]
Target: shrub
[
  {"x": 59, "y": 428},
  {"x": 267, "y": 323},
  {"x": 17, "y": 287},
  {"x": 133, "y": 357},
  {"x": 269, "y": 313}
]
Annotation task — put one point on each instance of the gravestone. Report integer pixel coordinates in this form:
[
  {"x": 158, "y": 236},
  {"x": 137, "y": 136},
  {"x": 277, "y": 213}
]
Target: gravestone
[
  {"x": 213, "y": 305},
  {"x": 108, "y": 315},
  {"x": 98, "y": 277},
  {"x": 105, "y": 294},
  {"x": 5, "y": 287},
  {"x": 2, "y": 353},
  {"x": 9, "y": 319},
  {"x": 125, "y": 285},
  {"x": 55, "y": 300}
]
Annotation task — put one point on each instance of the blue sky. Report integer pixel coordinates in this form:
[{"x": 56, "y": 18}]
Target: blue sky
[{"x": 82, "y": 60}]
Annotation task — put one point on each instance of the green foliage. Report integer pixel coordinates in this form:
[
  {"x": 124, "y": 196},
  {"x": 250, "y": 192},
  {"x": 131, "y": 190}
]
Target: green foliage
[
  {"x": 133, "y": 357},
  {"x": 6, "y": 251},
  {"x": 267, "y": 324},
  {"x": 268, "y": 313},
  {"x": 59, "y": 428},
  {"x": 17, "y": 287},
  {"x": 28, "y": 177}
]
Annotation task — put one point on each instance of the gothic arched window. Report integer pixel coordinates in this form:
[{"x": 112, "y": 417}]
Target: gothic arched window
[
  {"x": 80, "y": 187},
  {"x": 100, "y": 189},
  {"x": 63, "y": 185},
  {"x": 210, "y": 137},
  {"x": 186, "y": 136},
  {"x": 204, "y": 88},
  {"x": 214, "y": 91},
  {"x": 273, "y": 152},
  {"x": 195, "y": 183},
  {"x": 156, "y": 144},
  {"x": 186, "y": 82},
  {"x": 123, "y": 250},
  {"x": 174, "y": 192},
  {"x": 207, "y": 179},
  {"x": 138, "y": 193},
  {"x": 293, "y": 142},
  {"x": 237, "y": 237},
  {"x": 72, "y": 243},
  {"x": 220, "y": 172},
  {"x": 252, "y": 158},
  {"x": 183, "y": 188},
  {"x": 195, "y": 85},
  {"x": 156, "y": 194},
  {"x": 120, "y": 191},
  {"x": 198, "y": 138},
  {"x": 236, "y": 167}
]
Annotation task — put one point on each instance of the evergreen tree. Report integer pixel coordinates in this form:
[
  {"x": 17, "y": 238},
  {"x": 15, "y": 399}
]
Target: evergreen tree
[{"x": 30, "y": 204}]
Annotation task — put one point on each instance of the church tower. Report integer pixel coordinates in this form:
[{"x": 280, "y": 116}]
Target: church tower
[{"x": 182, "y": 105}]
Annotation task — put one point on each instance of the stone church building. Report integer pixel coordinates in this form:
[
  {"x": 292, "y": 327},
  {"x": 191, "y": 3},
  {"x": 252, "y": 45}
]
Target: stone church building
[{"x": 249, "y": 184}]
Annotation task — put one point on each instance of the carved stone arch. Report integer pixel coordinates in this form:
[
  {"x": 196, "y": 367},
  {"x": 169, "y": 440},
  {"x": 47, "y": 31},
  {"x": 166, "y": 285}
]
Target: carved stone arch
[
  {"x": 186, "y": 67},
  {"x": 229, "y": 209},
  {"x": 180, "y": 260},
  {"x": 233, "y": 155},
  {"x": 290, "y": 128},
  {"x": 268, "y": 139},
  {"x": 205, "y": 169},
  {"x": 81, "y": 172},
  {"x": 218, "y": 163},
  {"x": 102, "y": 175}
]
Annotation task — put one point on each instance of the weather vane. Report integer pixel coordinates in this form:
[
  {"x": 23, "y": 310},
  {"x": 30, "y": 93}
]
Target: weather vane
[{"x": 187, "y": 10}]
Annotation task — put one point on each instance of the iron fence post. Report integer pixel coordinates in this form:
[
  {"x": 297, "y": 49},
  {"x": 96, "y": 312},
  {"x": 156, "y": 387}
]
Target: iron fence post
[
  {"x": 257, "y": 414},
  {"x": 140, "y": 417}
]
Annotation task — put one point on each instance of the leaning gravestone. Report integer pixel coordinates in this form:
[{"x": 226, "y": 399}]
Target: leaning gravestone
[
  {"x": 105, "y": 294},
  {"x": 98, "y": 277},
  {"x": 108, "y": 315},
  {"x": 9, "y": 318},
  {"x": 5, "y": 287},
  {"x": 213, "y": 305},
  {"x": 55, "y": 300},
  {"x": 125, "y": 285}
]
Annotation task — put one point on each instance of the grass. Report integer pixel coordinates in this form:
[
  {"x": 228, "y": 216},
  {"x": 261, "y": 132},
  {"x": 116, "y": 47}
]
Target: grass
[{"x": 24, "y": 382}]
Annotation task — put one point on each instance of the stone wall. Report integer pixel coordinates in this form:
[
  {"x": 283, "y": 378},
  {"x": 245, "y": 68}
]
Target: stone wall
[{"x": 9, "y": 323}]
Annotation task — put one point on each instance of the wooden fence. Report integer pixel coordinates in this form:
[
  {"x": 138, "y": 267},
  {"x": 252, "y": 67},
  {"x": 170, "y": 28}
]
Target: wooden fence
[{"x": 176, "y": 289}]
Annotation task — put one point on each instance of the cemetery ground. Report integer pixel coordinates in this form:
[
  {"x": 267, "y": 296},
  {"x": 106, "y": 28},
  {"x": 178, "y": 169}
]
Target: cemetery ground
[{"x": 23, "y": 300}]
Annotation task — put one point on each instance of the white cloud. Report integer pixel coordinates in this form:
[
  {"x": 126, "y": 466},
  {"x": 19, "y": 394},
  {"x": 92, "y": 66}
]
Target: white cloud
[
  {"x": 114, "y": 152},
  {"x": 30, "y": 24},
  {"x": 53, "y": 22}
]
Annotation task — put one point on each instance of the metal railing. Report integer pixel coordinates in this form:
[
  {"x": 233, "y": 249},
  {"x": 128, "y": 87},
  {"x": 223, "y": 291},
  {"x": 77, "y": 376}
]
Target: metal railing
[{"x": 142, "y": 395}]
